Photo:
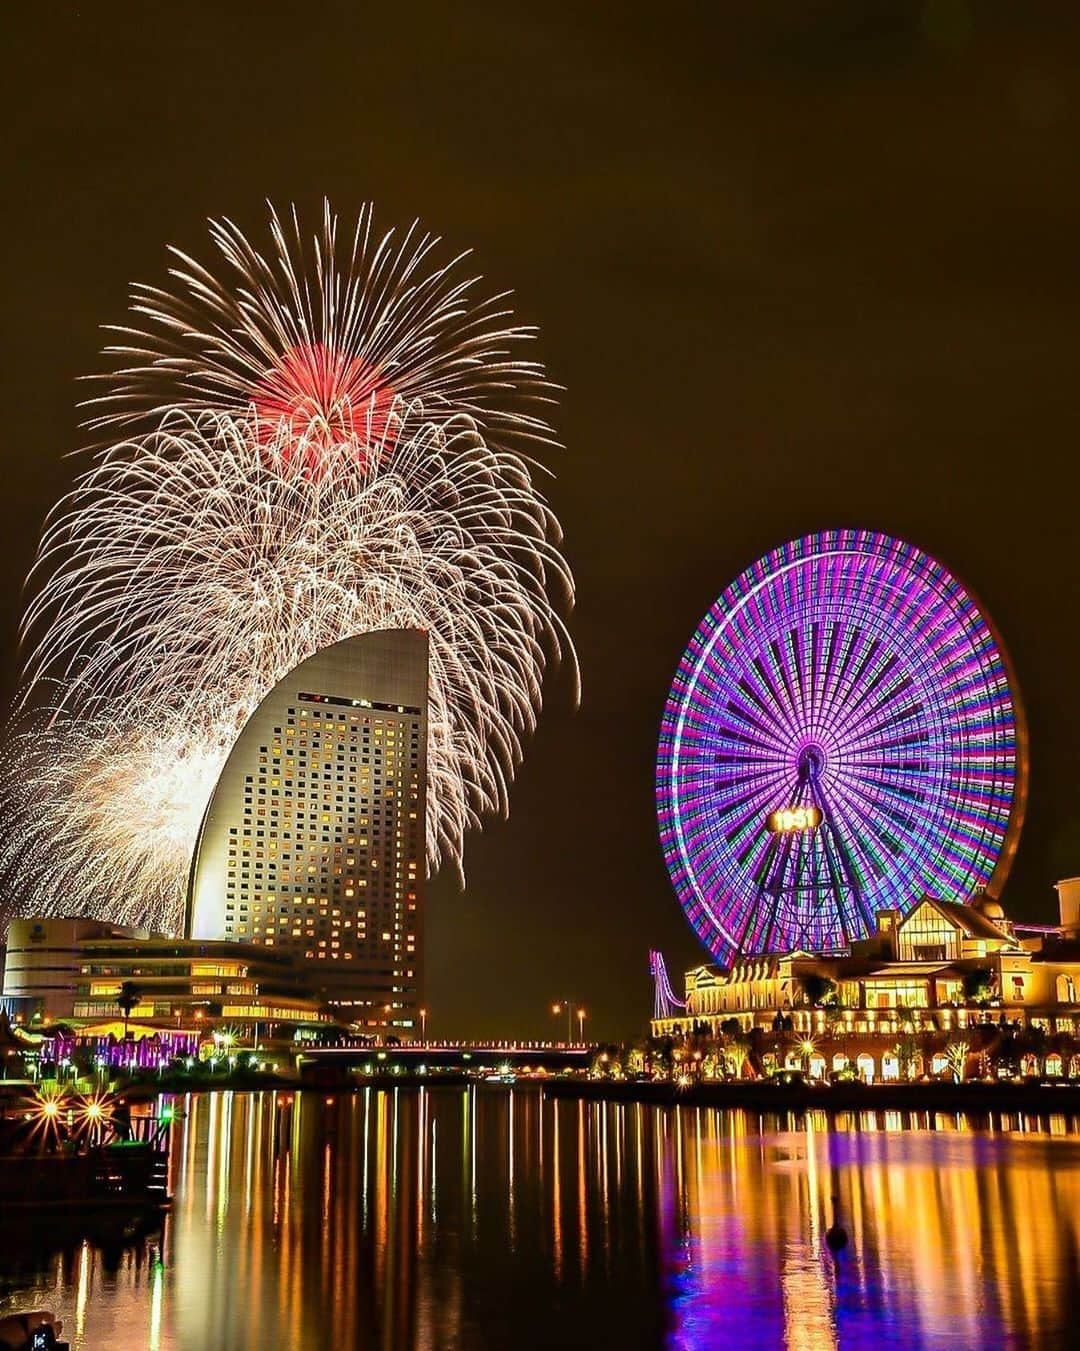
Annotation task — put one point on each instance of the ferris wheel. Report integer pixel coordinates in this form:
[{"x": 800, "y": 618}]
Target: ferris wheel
[{"x": 843, "y": 736}]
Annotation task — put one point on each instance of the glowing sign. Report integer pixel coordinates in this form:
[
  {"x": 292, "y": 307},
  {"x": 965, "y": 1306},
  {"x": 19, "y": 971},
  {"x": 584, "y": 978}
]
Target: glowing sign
[{"x": 794, "y": 818}]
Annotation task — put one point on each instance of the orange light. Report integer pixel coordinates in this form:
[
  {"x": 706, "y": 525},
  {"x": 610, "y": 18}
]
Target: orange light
[{"x": 794, "y": 819}]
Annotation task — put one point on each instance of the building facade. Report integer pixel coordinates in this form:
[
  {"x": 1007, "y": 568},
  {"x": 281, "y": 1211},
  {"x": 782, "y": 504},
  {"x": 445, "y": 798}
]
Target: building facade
[
  {"x": 314, "y": 841},
  {"x": 72, "y": 970},
  {"x": 183, "y": 983},
  {"x": 43, "y": 960},
  {"x": 948, "y": 974}
]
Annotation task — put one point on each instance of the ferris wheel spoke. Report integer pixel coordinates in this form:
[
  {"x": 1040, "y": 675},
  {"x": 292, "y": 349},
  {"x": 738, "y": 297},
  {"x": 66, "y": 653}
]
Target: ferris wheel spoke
[
  {"x": 764, "y": 697},
  {"x": 782, "y": 710}
]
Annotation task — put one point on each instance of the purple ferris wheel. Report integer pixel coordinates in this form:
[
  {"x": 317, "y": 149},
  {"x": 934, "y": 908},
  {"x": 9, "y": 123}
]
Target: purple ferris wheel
[{"x": 843, "y": 736}]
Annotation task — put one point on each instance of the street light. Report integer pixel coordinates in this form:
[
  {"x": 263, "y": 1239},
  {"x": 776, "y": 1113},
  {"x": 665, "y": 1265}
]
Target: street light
[
  {"x": 423, "y": 1027},
  {"x": 556, "y": 1009},
  {"x": 581, "y": 1025}
]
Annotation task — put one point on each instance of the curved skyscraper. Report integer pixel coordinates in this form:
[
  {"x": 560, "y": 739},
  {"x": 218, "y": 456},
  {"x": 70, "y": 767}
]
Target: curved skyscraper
[{"x": 314, "y": 839}]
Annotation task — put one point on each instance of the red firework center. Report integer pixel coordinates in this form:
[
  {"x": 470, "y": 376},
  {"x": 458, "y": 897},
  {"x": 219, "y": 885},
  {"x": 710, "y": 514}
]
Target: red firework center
[{"x": 315, "y": 400}]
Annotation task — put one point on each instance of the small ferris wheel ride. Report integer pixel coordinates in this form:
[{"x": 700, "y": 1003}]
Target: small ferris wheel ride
[{"x": 843, "y": 736}]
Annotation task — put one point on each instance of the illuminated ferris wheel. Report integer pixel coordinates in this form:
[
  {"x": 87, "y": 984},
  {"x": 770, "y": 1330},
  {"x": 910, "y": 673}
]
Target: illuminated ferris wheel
[{"x": 842, "y": 736}]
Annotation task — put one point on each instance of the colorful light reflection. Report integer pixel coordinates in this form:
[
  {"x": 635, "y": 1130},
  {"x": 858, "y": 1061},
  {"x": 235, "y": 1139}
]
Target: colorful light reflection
[
  {"x": 851, "y": 671},
  {"x": 528, "y": 1222}
]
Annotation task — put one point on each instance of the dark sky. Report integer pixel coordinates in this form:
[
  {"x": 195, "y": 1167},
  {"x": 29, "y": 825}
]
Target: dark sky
[{"x": 806, "y": 268}]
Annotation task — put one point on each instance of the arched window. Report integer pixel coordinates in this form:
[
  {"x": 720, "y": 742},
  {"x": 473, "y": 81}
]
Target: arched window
[{"x": 865, "y": 1066}]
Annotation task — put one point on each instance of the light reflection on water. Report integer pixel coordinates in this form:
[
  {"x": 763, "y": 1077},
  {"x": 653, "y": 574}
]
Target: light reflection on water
[{"x": 485, "y": 1218}]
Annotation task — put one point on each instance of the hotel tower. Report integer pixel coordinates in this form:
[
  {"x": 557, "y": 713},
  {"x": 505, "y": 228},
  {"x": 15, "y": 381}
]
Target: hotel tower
[{"x": 314, "y": 840}]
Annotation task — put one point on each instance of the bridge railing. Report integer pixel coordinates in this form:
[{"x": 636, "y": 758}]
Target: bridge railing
[
  {"x": 447, "y": 1045},
  {"x": 429, "y": 1047}
]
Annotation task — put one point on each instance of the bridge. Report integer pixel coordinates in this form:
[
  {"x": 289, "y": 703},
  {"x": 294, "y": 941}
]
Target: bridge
[{"x": 366, "y": 1057}]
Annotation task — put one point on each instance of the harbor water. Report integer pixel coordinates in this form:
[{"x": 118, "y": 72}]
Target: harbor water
[{"x": 484, "y": 1216}]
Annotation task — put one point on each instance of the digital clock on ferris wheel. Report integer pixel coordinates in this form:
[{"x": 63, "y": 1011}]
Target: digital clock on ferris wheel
[{"x": 788, "y": 819}]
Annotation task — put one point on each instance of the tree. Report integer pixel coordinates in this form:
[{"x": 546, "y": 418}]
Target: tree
[
  {"x": 661, "y": 1053},
  {"x": 978, "y": 985},
  {"x": 819, "y": 990},
  {"x": 956, "y": 1053},
  {"x": 906, "y": 1052},
  {"x": 735, "y": 1057},
  {"x": 1031, "y": 1045},
  {"x": 126, "y": 1000}
]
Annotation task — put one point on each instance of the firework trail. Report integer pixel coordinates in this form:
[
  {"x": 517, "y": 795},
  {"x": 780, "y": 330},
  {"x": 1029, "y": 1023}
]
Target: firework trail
[{"x": 314, "y": 448}]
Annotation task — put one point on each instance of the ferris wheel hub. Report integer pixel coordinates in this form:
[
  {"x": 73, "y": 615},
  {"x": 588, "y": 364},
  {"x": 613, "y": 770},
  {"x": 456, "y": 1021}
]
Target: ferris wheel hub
[{"x": 811, "y": 762}]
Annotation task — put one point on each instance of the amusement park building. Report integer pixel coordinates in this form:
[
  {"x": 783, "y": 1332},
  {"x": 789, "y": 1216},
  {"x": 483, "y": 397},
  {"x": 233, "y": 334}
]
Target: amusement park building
[
  {"x": 314, "y": 842},
  {"x": 945, "y": 969}
]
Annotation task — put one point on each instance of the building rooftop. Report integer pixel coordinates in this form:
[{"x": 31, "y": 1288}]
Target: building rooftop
[
  {"x": 970, "y": 919},
  {"x": 899, "y": 970}
]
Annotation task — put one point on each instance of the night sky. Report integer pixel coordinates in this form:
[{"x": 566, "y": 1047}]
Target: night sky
[{"x": 812, "y": 268}]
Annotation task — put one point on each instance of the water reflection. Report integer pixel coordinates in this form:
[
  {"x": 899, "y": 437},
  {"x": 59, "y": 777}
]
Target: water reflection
[{"x": 478, "y": 1217}]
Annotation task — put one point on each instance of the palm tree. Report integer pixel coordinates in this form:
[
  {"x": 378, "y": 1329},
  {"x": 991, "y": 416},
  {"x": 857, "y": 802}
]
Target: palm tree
[
  {"x": 736, "y": 1054},
  {"x": 126, "y": 1000}
]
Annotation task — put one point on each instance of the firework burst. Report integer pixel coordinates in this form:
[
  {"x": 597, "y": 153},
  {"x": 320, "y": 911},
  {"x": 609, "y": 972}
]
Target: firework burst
[
  {"x": 323, "y": 337},
  {"x": 296, "y": 461}
]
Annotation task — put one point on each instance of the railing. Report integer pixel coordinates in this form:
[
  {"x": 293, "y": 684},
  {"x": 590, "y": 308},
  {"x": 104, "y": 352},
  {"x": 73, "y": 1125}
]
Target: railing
[
  {"x": 364, "y": 1043},
  {"x": 129, "y": 1170},
  {"x": 132, "y": 1169}
]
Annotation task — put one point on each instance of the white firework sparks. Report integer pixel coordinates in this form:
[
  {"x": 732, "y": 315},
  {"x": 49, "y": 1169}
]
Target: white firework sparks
[
  {"x": 323, "y": 337},
  {"x": 334, "y": 457},
  {"x": 103, "y": 813}
]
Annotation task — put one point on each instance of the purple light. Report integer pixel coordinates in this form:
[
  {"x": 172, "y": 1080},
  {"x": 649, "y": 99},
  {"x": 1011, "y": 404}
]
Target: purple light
[
  {"x": 664, "y": 999},
  {"x": 145, "y": 1053},
  {"x": 848, "y": 671}
]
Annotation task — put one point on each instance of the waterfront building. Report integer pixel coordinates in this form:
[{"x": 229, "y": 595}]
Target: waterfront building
[
  {"x": 314, "y": 841},
  {"x": 946, "y": 974},
  {"x": 73, "y": 970},
  {"x": 43, "y": 962}
]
